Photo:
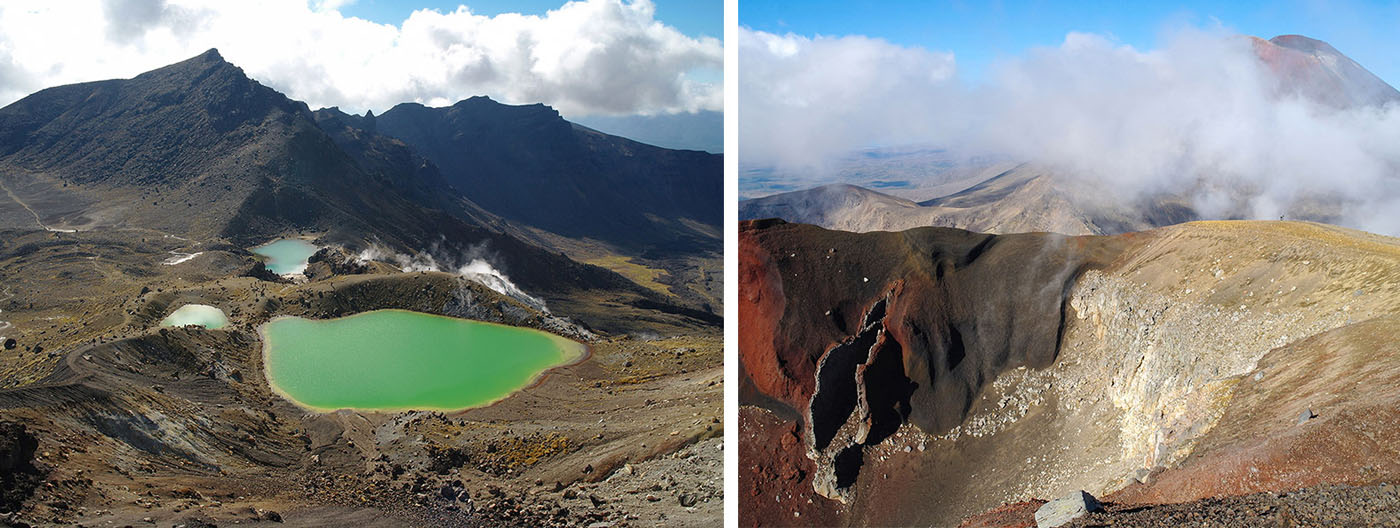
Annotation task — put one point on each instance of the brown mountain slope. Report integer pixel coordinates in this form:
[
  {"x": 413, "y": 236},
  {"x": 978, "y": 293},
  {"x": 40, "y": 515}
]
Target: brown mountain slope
[{"x": 1020, "y": 198}]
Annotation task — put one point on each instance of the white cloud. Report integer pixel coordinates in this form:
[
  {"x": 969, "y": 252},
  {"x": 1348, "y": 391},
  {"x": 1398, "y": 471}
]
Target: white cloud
[
  {"x": 803, "y": 101},
  {"x": 1198, "y": 115},
  {"x": 586, "y": 57}
]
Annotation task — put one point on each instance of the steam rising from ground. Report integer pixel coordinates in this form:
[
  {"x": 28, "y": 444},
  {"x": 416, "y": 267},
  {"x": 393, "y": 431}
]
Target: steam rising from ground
[
  {"x": 1201, "y": 116},
  {"x": 477, "y": 268}
]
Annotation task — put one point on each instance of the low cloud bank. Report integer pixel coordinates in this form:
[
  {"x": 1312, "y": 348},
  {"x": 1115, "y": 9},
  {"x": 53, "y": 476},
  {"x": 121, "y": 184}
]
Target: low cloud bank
[{"x": 1202, "y": 116}]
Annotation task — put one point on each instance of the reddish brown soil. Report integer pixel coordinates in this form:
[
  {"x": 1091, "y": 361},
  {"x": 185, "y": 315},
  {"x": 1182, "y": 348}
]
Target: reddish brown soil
[
  {"x": 1014, "y": 515},
  {"x": 775, "y": 476}
]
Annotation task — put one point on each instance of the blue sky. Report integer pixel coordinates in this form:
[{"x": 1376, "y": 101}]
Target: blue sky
[
  {"x": 979, "y": 33},
  {"x": 692, "y": 17}
]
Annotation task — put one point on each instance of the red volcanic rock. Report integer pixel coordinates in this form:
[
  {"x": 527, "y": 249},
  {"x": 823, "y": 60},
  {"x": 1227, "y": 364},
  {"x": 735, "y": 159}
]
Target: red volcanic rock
[
  {"x": 954, "y": 307},
  {"x": 761, "y": 305},
  {"x": 887, "y": 328},
  {"x": 1315, "y": 70}
]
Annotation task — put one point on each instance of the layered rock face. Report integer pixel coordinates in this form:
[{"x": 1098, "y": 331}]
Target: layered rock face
[
  {"x": 860, "y": 333},
  {"x": 1161, "y": 366}
]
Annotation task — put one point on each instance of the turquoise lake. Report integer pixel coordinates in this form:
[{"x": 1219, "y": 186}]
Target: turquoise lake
[
  {"x": 286, "y": 256},
  {"x": 197, "y": 315}
]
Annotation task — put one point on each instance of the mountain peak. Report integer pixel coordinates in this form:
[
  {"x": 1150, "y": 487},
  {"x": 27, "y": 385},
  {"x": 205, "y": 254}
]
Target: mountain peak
[
  {"x": 197, "y": 68},
  {"x": 211, "y": 55},
  {"x": 1304, "y": 44},
  {"x": 1315, "y": 70}
]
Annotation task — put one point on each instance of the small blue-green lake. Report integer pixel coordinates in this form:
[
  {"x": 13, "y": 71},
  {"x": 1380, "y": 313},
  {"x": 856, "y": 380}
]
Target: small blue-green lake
[
  {"x": 196, "y": 315},
  {"x": 286, "y": 256},
  {"x": 391, "y": 360}
]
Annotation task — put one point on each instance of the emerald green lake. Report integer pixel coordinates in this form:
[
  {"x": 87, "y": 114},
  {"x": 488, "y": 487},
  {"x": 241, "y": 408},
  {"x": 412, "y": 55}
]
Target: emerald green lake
[
  {"x": 286, "y": 256},
  {"x": 390, "y": 360},
  {"x": 196, "y": 315}
]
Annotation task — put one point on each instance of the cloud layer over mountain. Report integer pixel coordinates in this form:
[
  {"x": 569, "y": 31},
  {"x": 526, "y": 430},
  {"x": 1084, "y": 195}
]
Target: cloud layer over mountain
[
  {"x": 601, "y": 57},
  {"x": 1200, "y": 115}
]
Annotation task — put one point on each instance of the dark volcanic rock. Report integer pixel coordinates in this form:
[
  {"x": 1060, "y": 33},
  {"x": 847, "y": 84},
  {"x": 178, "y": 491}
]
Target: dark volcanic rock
[
  {"x": 200, "y": 150},
  {"x": 526, "y": 163},
  {"x": 18, "y": 475},
  {"x": 329, "y": 261},
  {"x": 259, "y": 271}
]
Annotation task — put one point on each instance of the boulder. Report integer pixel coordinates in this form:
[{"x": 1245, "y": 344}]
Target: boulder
[
  {"x": 269, "y": 515},
  {"x": 1307, "y": 414},
  {"x": 1061, "y": 511}
]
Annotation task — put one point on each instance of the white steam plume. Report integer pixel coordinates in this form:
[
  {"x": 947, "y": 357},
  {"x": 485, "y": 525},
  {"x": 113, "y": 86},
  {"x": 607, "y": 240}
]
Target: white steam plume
[
  {"x": 483, "y": 272},
  {"x": 478, "y": 268}
]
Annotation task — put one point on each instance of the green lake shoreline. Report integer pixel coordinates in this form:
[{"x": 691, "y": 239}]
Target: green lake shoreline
[{"x": 456, "y": 359}]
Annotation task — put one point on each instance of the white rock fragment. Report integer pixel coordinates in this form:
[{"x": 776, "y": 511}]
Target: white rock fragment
[{"x": 1061, "y": 511}]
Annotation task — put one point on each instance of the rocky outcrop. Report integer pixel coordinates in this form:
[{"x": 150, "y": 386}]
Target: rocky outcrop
[
  {"x": 18, "y": 474},
  {"x": 259, "y": 271},
  {"x": 330, "y": 261},
  {"x": 471, "y": 300},
  {"x": 879, "y": 329}
]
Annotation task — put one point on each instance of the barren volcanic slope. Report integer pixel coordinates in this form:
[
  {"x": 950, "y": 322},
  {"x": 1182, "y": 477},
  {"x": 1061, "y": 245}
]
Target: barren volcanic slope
[
  {"x": 646, "y": 212},
  {"x": 1007, "y": 198},
  {"x": 125, "y": 200},
  {"x": 1314, "y": 69},
  {"x": 530, "y": 165},
  {"x": 924, "y": 376}
]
